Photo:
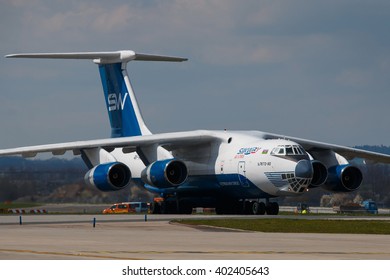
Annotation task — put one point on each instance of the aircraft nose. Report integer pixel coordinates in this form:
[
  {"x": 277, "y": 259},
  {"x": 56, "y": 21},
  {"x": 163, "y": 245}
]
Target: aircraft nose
[{"x": 304, "y": 169}]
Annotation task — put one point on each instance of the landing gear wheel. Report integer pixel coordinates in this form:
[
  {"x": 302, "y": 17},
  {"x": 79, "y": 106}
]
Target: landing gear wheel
[
  {"x": 272, "y": 208},
  {"x": 258, "y": 208}
]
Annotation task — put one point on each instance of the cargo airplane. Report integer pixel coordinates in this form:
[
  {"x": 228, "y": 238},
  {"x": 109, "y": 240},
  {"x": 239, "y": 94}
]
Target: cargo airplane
[{"x": 233, "y": 171}]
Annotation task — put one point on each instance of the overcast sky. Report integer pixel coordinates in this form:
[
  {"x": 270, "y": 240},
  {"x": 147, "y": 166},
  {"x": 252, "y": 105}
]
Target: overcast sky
[{"x": 311, "y": 69}]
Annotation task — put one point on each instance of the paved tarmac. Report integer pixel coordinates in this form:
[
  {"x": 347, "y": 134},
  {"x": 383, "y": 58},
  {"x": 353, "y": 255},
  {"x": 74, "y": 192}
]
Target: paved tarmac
[{"x": 130, "y": 237}]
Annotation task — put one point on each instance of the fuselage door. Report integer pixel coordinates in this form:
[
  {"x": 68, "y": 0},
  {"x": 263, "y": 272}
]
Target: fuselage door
[{"x": 242, "y": 174}]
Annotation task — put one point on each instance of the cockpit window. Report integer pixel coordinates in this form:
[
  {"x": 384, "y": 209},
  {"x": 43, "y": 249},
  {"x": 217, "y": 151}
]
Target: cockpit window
[
  {"x": 289, "y": 150},
  {"x": 279, "y": 151}
]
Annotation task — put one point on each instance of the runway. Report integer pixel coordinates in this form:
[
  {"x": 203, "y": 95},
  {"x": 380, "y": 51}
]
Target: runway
[{"x": 131, "y": 237}]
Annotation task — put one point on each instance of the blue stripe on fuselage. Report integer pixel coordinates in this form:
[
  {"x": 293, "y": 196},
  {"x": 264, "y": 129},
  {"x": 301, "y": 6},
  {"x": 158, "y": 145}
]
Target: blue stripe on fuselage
[{"x": 212, "y": 185}]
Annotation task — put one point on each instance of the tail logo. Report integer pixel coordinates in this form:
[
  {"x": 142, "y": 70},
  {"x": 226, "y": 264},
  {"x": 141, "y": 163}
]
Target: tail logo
[{"x": 115, "y": 102}]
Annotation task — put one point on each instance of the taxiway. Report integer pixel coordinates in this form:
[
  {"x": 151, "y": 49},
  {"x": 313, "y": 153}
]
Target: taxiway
[{"x": 131, "y": 237}]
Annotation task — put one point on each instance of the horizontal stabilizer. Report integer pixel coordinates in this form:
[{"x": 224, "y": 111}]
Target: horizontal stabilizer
[{"x": 101, "y": 57}]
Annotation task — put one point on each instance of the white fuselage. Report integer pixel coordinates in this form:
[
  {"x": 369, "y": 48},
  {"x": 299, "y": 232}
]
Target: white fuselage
[{"x": 241, "y": 165}]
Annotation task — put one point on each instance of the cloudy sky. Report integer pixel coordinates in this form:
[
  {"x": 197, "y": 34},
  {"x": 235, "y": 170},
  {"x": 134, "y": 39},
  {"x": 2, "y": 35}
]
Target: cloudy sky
[{"x": 311, "y": 69}]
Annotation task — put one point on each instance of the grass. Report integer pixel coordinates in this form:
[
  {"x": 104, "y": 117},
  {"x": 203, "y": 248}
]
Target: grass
[{"x": 298, "y": 225}]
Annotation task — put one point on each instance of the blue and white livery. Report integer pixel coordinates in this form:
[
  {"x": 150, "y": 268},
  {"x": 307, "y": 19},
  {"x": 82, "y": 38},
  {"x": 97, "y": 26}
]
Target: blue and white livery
[{"x": 233, "y": 171}]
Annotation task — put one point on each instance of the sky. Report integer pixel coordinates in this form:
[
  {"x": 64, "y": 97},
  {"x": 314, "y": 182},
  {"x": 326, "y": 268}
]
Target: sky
[{"x": 311, "y": 69}]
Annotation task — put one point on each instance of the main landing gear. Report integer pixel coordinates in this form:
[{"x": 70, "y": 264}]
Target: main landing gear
[
  {"x": 260, "y": 208},
  {"x": 247, "y": 207},
  {"x": 224, "y": 206}
]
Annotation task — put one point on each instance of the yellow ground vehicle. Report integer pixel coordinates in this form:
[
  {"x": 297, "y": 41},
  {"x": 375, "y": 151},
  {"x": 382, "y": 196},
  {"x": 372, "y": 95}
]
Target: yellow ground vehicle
[
  {"x": 302, "y": 208},
  {"x": 127, "y": 207}
]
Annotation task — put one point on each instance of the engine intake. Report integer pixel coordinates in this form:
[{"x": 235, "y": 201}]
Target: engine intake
[
  {"x": 112, "y": 176},
  {"x": 165, "y": 173},
  {"x": 344, "y": 178},
  {"x": 320, "y": 174}
]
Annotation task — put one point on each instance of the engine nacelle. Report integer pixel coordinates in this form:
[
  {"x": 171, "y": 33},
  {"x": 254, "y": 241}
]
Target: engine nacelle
[
  {"x": 343, "y": 178},
  {"x": 320, "y": 174},
  {"x": 112, "y": 176},
  {"x": 165, "y": 173}
]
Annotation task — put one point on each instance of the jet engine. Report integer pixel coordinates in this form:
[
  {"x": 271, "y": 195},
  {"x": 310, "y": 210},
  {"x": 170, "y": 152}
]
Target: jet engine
[
  {"x": 165, "y": 173},
  {"x": 320, "y": 174},
  {"x": 343, "y": 178},
  {"x": 112, "y": 176}
]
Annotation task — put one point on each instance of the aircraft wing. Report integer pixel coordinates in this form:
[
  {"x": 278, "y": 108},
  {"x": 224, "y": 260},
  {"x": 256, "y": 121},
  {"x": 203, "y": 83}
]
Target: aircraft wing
[
  {"x": 177, "y": 140},
  {"x": 347, "y": 152},
  {"x": 129, "y": 144}
]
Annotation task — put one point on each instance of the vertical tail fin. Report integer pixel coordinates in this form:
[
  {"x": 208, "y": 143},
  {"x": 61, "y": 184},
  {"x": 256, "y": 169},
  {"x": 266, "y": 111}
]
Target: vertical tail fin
[
  {"x": 122, "y": 107},
  {"x": 124, "y": 113}
]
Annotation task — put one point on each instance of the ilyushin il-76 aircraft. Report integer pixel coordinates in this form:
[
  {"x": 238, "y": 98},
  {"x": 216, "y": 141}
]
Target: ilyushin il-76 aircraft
[{"x": 232, "y": 171}]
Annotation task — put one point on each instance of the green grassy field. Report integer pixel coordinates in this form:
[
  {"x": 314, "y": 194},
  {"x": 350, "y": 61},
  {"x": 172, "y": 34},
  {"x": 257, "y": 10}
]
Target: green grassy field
[{"x": 298, "y": 225}]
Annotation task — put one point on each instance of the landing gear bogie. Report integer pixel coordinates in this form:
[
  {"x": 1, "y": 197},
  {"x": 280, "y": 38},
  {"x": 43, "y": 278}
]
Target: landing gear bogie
[{"x": 258, "y": 208}]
